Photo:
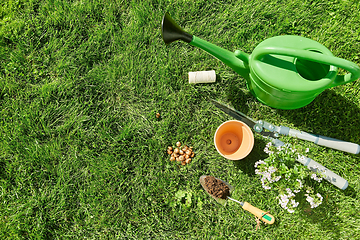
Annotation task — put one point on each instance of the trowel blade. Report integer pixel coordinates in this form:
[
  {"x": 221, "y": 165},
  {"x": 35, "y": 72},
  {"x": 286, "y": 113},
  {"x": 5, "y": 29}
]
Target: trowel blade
[{"x": 218, "y": 200}]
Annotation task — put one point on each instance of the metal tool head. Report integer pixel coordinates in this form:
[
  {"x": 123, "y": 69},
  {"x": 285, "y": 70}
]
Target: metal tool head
[
  {"x": 234, "y": 113},
  {"x": 257, "y": 126}
]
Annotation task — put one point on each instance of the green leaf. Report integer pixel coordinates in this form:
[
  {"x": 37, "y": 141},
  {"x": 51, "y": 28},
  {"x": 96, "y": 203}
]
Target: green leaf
[
  {"x": 199, "y": 203},
  {"x": 180, "y": 194},
  {"x": 188, "y": 199},
  {"x": 296, "y": 170}
]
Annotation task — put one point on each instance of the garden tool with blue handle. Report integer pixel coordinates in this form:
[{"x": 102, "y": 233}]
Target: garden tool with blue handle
[{"x": 273, "y": 133}]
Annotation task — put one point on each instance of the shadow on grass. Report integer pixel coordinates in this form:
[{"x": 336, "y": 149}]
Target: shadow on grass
[
  {"x": 350, "y": 192},
  {"x": 330, "y": 115},
  {"x": 246, "y": 165},
  {"x": 239, "y": 98},
  {"x": 327, "y": 214}
]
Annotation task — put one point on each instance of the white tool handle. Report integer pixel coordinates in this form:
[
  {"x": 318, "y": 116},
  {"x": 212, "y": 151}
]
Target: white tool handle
[
  {"x": 322, "y": 141},
  {"x": 338, "y": 144},
  {"x": 330, "y": 176}
]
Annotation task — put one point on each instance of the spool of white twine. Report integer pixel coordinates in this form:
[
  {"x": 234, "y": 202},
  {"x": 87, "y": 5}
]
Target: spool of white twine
[{"x": 202, "y": 77}]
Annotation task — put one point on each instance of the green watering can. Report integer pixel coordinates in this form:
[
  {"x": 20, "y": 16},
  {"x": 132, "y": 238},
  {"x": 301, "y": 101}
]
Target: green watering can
[{"x": 284, "y": 72}]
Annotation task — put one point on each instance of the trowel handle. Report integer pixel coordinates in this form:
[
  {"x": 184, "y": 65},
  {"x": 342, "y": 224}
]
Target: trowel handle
[
  {"x": 353, "y": 68},
  {"x": 265, "y": 217},
  {"x": 321, "y": 140},
  {"x": 329, "y": 175}
]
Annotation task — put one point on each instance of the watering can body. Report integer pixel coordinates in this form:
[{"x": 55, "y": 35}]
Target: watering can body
[
  {"x": 284, "y": 72},
  {"x": 288, "y": 72}
]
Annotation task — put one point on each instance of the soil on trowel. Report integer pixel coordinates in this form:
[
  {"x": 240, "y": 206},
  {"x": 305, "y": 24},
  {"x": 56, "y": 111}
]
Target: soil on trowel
[{"x": 216, "y": 187}]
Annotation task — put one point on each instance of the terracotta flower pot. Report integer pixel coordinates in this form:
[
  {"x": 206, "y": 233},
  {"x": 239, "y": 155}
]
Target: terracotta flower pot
[{"x": 234, "y": 140}]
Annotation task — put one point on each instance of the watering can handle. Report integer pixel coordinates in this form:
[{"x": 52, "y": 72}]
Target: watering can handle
[{"x": 353, "y": 68}]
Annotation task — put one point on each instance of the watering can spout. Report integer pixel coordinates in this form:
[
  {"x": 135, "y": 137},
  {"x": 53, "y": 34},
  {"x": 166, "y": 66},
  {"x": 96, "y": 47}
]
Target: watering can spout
[
  {"x": 238, "y": 60},
  {"x": 171, "y": 31}
]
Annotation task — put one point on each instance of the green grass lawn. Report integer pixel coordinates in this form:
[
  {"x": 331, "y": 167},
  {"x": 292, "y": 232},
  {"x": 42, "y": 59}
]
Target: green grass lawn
[{"x": 82, "y": 154}]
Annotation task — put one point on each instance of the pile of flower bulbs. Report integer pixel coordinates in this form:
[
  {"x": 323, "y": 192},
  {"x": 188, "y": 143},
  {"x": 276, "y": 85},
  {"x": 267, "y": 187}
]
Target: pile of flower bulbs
[{"x": 181, "y": 154}]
